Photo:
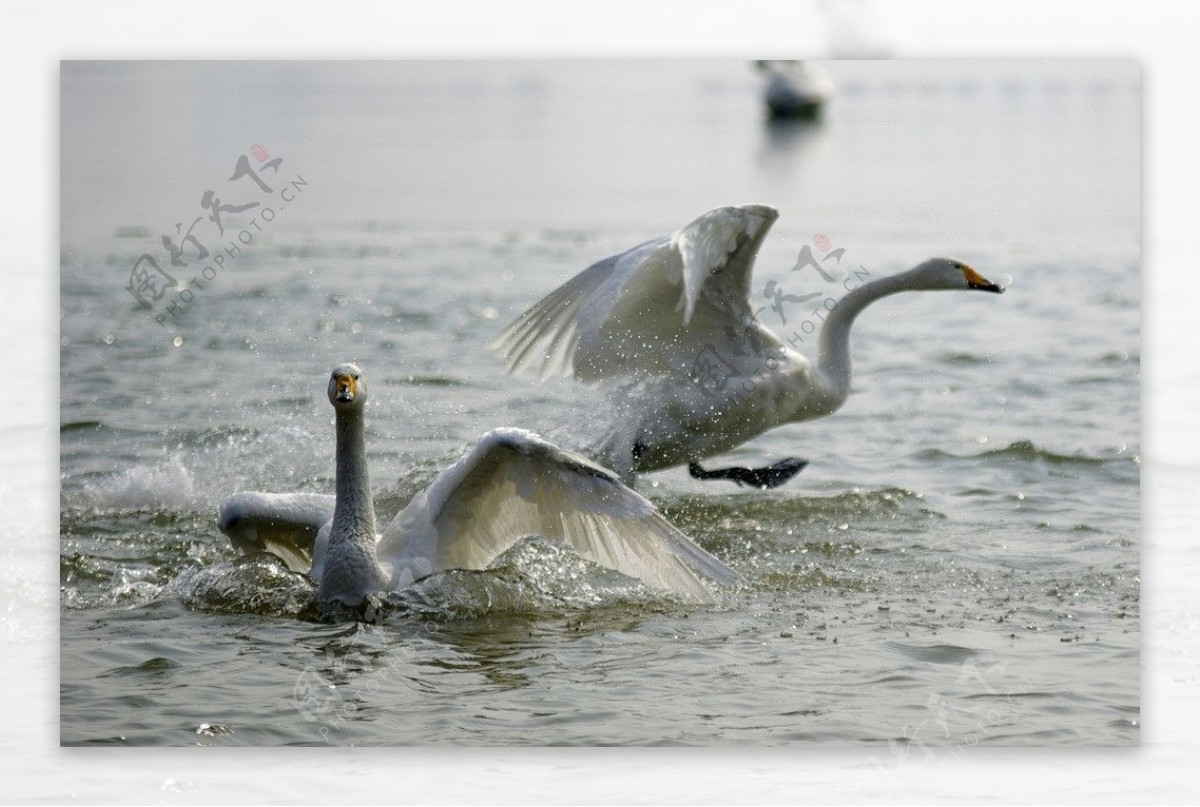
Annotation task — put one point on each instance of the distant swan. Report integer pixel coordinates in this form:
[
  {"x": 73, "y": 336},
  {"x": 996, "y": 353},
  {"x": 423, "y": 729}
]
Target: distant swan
[
  {"x": 794, "y": 89},
  {"x": 511, "y": 484},
  {"x": 669, "y": 323}
]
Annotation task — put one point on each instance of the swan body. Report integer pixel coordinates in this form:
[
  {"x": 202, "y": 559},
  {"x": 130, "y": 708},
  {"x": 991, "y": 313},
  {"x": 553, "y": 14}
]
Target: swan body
[
  {"x": 794, "y": 89},
  {"x": 669, "y": 325},
  {"x": 511, "y": 484}
]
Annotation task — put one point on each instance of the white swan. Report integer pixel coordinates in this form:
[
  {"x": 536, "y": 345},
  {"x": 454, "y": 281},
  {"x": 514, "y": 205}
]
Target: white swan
[
  {"x": 794, "y": 89},
  {"x": 671, "y": 324},
  {"x": 511, "y": 484}
]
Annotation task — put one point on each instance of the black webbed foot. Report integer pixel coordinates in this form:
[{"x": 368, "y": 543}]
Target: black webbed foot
[{"x": 772, "y": 476}]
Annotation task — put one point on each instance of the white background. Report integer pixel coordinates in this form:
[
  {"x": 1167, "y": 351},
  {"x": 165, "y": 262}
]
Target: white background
[{"x": 1164, "y": 37}]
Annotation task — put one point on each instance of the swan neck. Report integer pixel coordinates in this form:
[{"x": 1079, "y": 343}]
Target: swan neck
[
  {"x": 354, "y": 513},
  {"x": 833, "y": 352}
]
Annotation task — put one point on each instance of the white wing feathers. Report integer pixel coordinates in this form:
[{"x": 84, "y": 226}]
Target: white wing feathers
[
  {"x": 513, "y": 484},
  {"x": 548, "y": 331},
  {"x": 283, "y": 524},
  {"x": 720, "y": 246},
  {"x": 640, "y": 311}
]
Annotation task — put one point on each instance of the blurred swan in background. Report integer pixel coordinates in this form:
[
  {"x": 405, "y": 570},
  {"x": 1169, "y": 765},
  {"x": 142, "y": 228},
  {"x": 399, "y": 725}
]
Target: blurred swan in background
[
  {"x": 669, "y": 327},
  {"x": 794, "y": 89},
  {"x": 510, "y": 485}
]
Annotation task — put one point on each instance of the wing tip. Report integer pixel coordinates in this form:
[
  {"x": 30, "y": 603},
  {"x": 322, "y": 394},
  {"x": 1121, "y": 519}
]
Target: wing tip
[
  {"x": 528, "y": 443},
  {"x": 755, "y": 215}
]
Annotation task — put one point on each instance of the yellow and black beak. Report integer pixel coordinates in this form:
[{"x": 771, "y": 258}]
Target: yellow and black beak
[
  {"x": 978, "y": 281},
  {"x": 345, "y": 387}
]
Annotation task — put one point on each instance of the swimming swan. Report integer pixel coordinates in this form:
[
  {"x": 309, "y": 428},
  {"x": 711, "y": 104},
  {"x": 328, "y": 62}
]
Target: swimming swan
[
  {"x": 509, "y": 485},
  {"x": 794, "y": 89},
  {"x": 670, "y": 323}
]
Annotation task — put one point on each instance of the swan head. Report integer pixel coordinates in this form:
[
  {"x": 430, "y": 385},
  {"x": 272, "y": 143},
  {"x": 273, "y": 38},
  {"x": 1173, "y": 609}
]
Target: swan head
[
  {"x": 952, "y": 274},
  {"x": 346, "y": 388}
]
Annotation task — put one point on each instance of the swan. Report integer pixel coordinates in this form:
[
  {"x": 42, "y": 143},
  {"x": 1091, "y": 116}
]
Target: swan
[
  {"x": 794, "y": 89},
  {"x": 511, "y": 484},
  {"x": 670, "y": 326}
]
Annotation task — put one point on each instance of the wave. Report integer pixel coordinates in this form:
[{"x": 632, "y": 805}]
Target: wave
[
  {"x": 80, "y": 425},
  {"x": 260, "y": 585},
  {"x": 168, "y": 486},
  {"x": 958, "y": 357},
  {"x": 724, "y": 524},
  {"x": 936, "y": 653},
  {"x": 1019, "y": 451},
  {"x": 536, "y": 577},
  {"x": 433, "y": 381}
]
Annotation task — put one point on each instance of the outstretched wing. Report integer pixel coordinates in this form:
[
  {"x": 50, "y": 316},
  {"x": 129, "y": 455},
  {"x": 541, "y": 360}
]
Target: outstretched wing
[
  {"x": 283, "y": 524},
  {"x": 646, "y": 311},
  {"x": 513, "y": 484}
]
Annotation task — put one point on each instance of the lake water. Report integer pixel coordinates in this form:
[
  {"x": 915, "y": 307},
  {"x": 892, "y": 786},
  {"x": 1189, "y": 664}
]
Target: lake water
[{"x": 959, "y": 565}]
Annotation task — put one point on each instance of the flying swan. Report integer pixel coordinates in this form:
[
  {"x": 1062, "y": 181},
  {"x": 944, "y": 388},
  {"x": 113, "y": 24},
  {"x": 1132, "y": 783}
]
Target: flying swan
[
  {"x": 511, "y": 484},
  {"x": 669, "y": 324}
]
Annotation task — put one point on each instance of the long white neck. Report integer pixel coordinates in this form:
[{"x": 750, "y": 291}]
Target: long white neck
[
  {"x": 833, "y": 351},
  {"x": 354, "y": 513},
  {"x": 351, "y": 571}
]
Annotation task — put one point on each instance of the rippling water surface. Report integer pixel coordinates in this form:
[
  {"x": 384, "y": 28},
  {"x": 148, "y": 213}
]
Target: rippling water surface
[{"x": 958, "y": 565}]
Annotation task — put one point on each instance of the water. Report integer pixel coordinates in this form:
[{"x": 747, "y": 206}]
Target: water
[{"x": 959, "y": 565}]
